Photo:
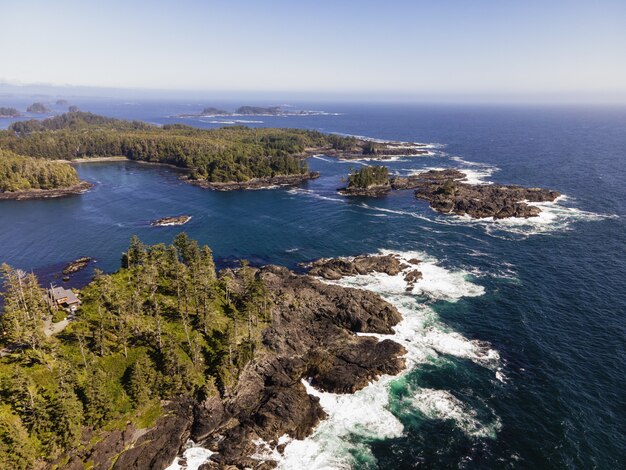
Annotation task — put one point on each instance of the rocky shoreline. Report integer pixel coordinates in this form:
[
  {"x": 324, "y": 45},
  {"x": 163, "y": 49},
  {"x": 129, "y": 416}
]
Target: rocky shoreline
[
  {"x": 256, "y": 183},
  {"x": 312, "y": 336},
  {"x": 79, "y": 188}
]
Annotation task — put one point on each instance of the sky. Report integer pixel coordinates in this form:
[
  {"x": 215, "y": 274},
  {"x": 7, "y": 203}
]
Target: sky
[{"x": 406, "y": 49}]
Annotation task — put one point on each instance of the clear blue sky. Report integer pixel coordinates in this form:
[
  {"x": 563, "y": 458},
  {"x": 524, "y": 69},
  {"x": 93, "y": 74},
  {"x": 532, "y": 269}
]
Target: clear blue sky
[{"x": 403, "y": 48}]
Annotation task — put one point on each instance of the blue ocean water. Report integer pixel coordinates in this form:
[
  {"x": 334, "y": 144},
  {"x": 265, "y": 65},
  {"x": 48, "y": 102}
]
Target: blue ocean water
[{"x": 516, "y": 336}]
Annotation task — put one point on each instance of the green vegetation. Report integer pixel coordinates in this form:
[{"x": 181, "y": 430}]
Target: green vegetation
[
  {"x": 448, "y": 188},
  {"x": 19, "y": 173},
  {"x": 38, "y": 108},
  {"x": 219, "y": 155},
  {"x": 9, "y": 112},
  {"x": 368, "y": 176},
  {"x": 163, "y": 327}
]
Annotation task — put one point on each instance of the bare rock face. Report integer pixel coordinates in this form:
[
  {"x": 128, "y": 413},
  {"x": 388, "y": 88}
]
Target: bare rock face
[{"x": 336, "y": 268}]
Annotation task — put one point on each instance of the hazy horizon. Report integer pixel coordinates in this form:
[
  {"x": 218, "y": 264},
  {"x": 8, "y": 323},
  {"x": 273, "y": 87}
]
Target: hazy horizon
[{"x": 451, "y": 51}]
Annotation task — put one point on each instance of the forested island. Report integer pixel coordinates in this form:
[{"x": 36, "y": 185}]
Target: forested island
[
  {"x": 33, "y": 178},
  {"x": 38, "y": 108},
  {"x": 167, "y": 348},
  {"x": 367, "y": 181},
  {"x": 237, "y": 154},
  {"x": 9, "y": 112}
]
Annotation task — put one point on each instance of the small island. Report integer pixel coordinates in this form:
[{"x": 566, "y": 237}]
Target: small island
[
  {"x": 368, "y": 181},
  {"x": 38, "y": 108},
  {"x": 77, "y": 265},
  {"x": 31, "y": 178},
  {"x": 73, "y": 109},
  {"x": 62, "y": 102},
  {"x": 171, "y": 221},
  {"x": 9, "y": 112}
]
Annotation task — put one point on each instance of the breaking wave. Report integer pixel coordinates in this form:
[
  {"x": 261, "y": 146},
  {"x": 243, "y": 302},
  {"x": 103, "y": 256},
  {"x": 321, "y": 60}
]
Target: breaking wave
[{"x": 355, "y": 419}]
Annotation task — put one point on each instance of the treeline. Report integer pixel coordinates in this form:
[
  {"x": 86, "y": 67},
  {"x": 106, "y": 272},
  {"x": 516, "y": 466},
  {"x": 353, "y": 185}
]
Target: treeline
[
  {"x": 369, "y": 176},
  {"x": 19, "y": 173},
  {"x": 219, "y": 155},
  {"x": 164, "y": 327}
]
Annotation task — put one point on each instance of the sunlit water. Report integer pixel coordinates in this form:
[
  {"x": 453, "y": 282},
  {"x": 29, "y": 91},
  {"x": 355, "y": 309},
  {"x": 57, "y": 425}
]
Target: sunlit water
[{"x": 515, "y": 336}]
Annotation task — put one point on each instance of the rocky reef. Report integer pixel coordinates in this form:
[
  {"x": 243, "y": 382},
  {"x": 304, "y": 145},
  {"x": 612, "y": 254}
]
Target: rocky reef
[
  {"x": 447, "y": 193},
  {"x": 311, "y": 336}
]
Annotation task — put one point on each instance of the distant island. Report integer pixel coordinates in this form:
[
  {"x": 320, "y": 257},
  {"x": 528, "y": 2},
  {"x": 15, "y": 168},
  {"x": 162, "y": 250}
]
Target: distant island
[
  {"x": 253, "y": 111},
  {"x": 38, "y": 108},
  {"x": 32, "y": 178},
  {"x": 234, "y": 157},
  {"x": 448, "y": 192},
  {"x": 62, "y": 102},
  {"x": 9, "y": 112},
  {"x": 73, "y": 109}
]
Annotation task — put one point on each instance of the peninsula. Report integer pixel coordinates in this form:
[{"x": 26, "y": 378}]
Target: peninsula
[
  {"x": 168, "y": 349},
  {"x": 234, "y": 157},
  {"x": 30, "y": 178}
]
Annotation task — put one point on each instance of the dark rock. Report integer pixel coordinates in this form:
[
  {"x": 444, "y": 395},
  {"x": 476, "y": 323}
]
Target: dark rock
[
  {"x": 257, "y": 183},
  {"x": 336, "y": 268},
  {"x": 447, "y": 193},
  {"x": 77, "y": 265}
]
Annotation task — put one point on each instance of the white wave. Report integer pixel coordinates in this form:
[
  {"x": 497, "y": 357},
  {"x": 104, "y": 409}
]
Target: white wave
[
  {"x": 442, "y": 405},
  {"x": 308, "y": 192},
  {"x": 194, "y": 457},
  {"x": 352, "y": 419},
  {"x": 554, "y": 217}
]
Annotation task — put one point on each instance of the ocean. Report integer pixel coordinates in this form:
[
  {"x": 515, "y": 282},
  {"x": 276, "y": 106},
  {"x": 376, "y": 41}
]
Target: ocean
[{"x": 515, "y": 335}]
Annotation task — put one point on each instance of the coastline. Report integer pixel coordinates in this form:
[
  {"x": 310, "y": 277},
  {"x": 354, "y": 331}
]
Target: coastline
[
  {"x": 256, "y": 183},
  {"x": 75, "y": 190}
]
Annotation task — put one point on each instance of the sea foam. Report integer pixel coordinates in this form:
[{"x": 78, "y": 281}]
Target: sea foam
[{"x": 353, "y": 419}]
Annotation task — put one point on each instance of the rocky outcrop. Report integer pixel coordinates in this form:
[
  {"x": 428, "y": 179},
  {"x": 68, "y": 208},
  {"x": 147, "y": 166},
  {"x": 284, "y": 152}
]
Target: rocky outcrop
[
  {"x": 447, "y": 193},
  {"x": 80, "y": 188},
  {"x": 311, "y": 336},
  {"x": 171, "y": 221},
  {"x": 131, "y": 448},
  {"x": 257, "y": 183},
  {"x": 77, "y": 265},
  {"x": 336, "y": 268}
]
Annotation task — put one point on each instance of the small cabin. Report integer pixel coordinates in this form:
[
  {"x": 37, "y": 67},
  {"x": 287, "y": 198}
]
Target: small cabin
[{"x": 59, "y": 297}]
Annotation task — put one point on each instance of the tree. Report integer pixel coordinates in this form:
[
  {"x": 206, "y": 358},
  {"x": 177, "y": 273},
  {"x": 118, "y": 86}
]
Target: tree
[
  {"x": 16, "y": 448},
  {"x": 25, "y": 308}
]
